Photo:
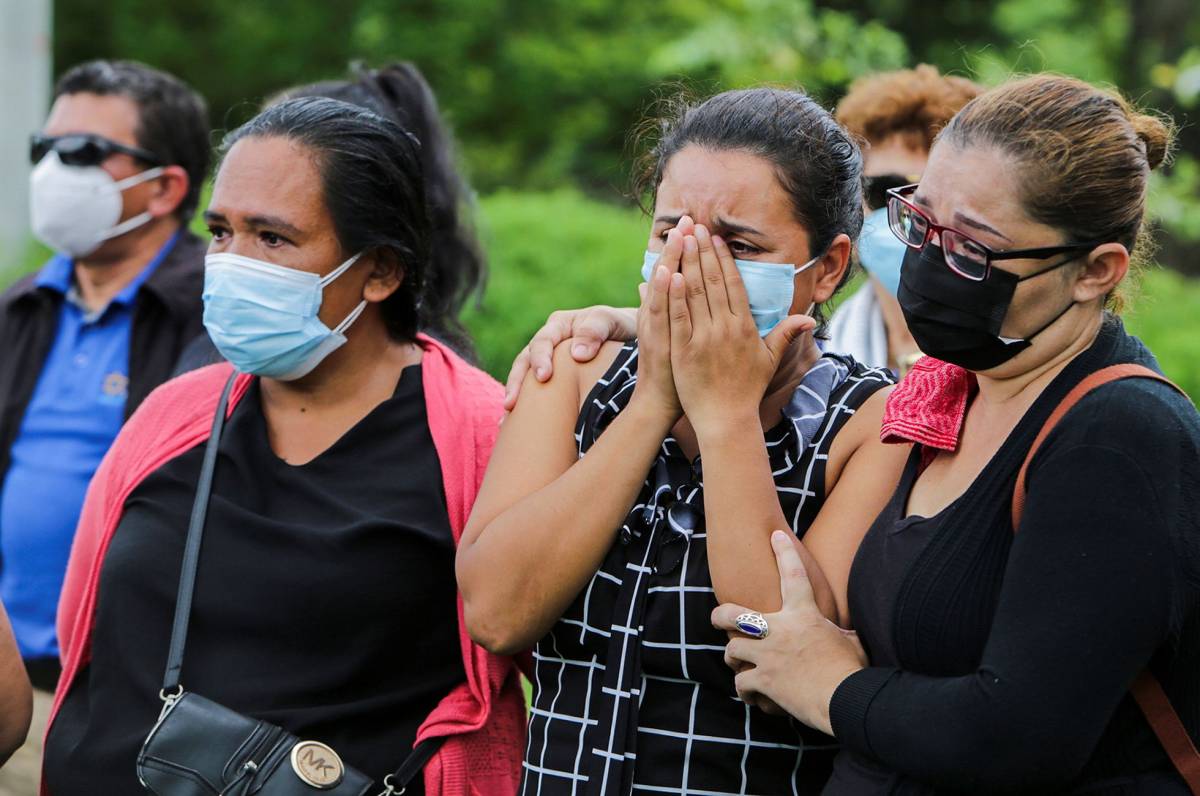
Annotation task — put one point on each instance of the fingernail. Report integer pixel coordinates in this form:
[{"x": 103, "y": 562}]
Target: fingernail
[
  {"x": 541, "y": 374},
  {"x": 579, "y": 350},
  {"x": 779, "y": 537},
  {"x": 662, "y": 269},
  {"x": 689, "y": 243},
  {"x": 676, "y": 278}
]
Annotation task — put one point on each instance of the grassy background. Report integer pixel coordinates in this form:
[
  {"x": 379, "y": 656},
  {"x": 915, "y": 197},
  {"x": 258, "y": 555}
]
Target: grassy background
[{"x": 560, "y": 249}]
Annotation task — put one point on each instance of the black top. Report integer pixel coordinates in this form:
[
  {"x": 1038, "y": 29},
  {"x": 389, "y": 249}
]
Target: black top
[
  {"x": 325, "y": 599},
  {"x": 1001, "y": 663},
  {"x": 632, "y": 693}
]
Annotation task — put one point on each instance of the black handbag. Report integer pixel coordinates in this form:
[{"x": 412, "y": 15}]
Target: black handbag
[{"x": 200, "y": 748}]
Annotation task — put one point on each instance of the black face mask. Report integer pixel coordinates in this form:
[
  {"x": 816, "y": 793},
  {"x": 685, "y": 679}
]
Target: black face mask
[{"x": 957, "y": 320}]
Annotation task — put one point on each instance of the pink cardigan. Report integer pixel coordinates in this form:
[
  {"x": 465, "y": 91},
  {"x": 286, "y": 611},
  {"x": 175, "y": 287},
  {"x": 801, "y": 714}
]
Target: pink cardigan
[{"x": 484, "y": 718}]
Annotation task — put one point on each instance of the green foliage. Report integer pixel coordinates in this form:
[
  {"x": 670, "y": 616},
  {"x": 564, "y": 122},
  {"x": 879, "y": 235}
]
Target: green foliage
[
  {"x": 561, "y": 250},
  {"x": 542, "y": 95},
  {"x": 747, "y": 42},
  {"x": 551, "y": 251},
  {"x": 1166, "y": 316}
]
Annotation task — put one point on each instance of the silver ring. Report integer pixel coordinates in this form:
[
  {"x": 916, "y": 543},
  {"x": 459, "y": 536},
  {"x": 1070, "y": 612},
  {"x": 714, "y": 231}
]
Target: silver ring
[{"x": 752, "y": 624}]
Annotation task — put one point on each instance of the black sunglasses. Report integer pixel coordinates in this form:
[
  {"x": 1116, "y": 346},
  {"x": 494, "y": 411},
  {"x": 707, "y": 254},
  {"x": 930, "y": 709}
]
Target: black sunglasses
[
  {"x": 879, "y": 186},
  {"x": 84, "y": 149}
]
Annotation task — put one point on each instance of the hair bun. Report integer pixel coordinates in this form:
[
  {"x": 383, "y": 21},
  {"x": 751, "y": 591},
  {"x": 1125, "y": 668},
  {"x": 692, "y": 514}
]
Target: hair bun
[{"x": 1155, "y": 135}]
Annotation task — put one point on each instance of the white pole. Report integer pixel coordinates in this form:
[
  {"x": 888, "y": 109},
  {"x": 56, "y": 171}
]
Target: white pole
[{"x": 25, "y": 64}]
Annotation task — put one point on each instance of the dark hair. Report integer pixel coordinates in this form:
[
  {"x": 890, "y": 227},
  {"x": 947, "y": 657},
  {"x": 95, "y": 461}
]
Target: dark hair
[
  {"x": 458, "y": 268},
  {"x": 1085, "y": 156},
  {"x": 172, "y": 117},
  {"x": 372, "y": 184},
  {"x": 817, "y": 162}
]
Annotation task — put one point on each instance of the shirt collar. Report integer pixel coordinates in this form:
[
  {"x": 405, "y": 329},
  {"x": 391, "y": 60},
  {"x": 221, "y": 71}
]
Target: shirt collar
[{"x": 58, "y": 274}]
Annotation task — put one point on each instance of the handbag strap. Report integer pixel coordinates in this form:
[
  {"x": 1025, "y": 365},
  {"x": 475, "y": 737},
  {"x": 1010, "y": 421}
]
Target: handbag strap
[
  {"x": 395, "y": 784},
  {"x": 191, "y": 550},
  {"x": 423, "y": 752},
  {"x": 1146, "y": 690}
]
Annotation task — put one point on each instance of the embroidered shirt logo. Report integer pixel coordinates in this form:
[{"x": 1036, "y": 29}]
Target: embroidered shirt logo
[
  {"x": 317, "y": 765},
  {"x": 114, "y": 389}
]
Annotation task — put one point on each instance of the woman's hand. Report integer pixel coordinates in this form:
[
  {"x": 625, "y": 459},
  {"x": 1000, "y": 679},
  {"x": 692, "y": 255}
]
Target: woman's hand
[
  {"x": 804, "y": 657},
  {"x": 591, "y": 327},
  {"x": 721, "y": 366},
  {"x": 655, "y": 384}
]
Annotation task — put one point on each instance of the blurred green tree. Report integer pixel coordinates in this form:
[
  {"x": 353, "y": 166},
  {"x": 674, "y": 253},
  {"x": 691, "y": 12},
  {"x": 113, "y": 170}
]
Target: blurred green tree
[{"x": 542, "y": 93}]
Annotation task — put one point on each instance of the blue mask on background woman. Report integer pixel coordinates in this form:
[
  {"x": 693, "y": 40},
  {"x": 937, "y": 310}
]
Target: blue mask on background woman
[
  {"x": 769, "y": 286},
  {"x": 880, "y": 251},
  {"x": 262, "y": 317}
]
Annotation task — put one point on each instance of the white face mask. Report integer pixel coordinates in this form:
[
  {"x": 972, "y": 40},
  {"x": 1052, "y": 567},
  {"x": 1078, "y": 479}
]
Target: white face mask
[{"x": 74, "y": 209}]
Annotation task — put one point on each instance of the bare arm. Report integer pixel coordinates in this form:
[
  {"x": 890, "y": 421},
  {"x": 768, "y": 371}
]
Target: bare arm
[
  {"x": 544, "y": 520},
  {"x": 16, "y": 699},
  {"x": 587, "y": 329},
  {"x": 741, "y": 509},
  {"x": 722, "y": 369},
  {"x": 861, "y": 476}
]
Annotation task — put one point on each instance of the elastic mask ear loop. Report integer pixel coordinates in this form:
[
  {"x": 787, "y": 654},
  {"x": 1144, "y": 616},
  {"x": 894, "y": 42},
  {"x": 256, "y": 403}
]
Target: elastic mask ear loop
[
  {"x": 362, "y": 305},
  {"x": 806, "y": 266},
  {"x": 351, "y": 318},
  {"x": 133, "y": 222},
  {"x": 341, "y": 269},
  {"x": 139, "y": 178},
  {"x": 1050, "y": 268}
]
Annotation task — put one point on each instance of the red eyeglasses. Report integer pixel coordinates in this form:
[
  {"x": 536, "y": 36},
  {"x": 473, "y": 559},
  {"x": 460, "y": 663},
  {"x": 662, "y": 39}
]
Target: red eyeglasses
[{"x": 965, "y": 256}]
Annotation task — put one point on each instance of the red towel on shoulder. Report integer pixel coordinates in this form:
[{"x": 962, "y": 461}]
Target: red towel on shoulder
[{"x": 928, "y": 405}]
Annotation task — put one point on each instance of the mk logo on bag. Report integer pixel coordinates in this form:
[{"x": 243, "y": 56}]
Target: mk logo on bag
[{"x": 316, "y": 764}]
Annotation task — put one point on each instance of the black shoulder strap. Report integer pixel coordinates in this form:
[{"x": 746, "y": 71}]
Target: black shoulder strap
[
  {"x": 412, "y": 765},
  {"x": 191, "y": 550}
]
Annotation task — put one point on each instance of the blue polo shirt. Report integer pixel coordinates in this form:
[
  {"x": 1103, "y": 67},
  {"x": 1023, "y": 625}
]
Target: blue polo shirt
[{"x": 76, "y": 410}]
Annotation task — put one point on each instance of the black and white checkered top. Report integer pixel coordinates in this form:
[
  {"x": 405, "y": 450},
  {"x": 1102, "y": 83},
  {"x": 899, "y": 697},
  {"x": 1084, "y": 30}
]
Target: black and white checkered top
[{"x": 631, "y": 692}]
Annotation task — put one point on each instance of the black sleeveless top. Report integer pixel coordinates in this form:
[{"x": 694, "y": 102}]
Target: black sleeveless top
[
  {"x": 325, "y": 598},
  {"x": 1000, "y": 662},
  {"x": 631, "y": 689}
]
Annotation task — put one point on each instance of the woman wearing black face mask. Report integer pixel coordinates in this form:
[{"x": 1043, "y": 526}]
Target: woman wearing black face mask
[{"x": 1029, "y": 600}]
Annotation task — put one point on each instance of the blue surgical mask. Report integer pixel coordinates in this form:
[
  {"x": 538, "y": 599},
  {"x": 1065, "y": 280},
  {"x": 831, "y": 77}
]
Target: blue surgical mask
[
  {"x": 262, "y": 317},
  {"x": 769, "y": 286},
  {"x": 880, "y": 251}
]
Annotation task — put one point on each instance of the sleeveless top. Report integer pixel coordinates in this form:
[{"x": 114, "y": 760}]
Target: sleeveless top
[{"x": 631, "y": 691}]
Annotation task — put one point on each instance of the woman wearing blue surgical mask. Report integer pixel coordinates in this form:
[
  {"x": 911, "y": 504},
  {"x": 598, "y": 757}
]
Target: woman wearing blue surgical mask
[
  {"x": 897, "y": 114},
  {"x": 630, "y": 495},
  {"x": 320, "y": 614}
]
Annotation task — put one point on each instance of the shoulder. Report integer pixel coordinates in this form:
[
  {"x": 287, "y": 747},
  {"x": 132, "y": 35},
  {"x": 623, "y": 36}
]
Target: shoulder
[
  {"x": 864, "y": 427},
  {"x": 22, "y": 287},
  {"x": 583, "y": 376},
  {"x": 862, "y": 383},
  {"x": 455, "y": 386},
  {"x": 1137, "y": 416},
  {"x": 179, "y": 402}
]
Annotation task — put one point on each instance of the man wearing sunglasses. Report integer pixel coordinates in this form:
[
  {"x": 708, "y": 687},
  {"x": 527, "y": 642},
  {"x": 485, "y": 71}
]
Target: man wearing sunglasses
[{"x": 118, "y": 168}]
